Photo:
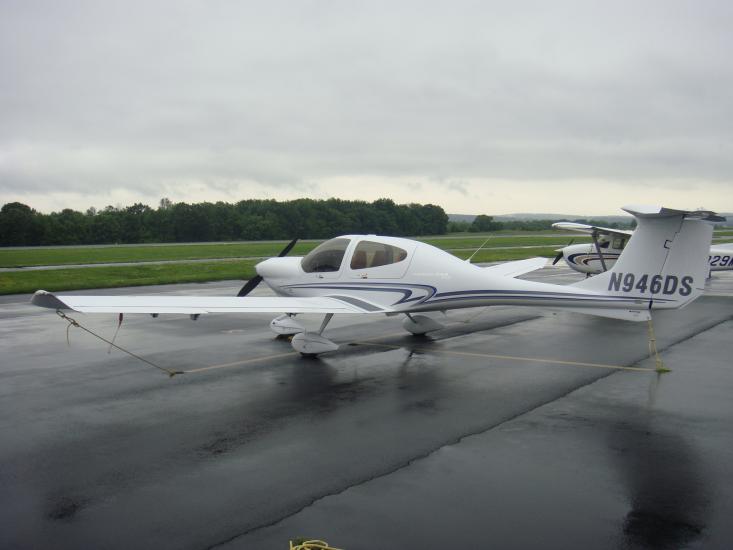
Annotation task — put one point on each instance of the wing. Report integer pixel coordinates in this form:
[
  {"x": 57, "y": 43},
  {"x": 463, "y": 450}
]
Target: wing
[
  {"x": 191, "y": 305},
  {"x": 514, "y": 269},
  {"x": 588, "y": 229}
]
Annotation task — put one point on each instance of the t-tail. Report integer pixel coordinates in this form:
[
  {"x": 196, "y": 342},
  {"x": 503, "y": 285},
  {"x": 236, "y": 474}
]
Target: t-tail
[{"x": 665, "y": 263}]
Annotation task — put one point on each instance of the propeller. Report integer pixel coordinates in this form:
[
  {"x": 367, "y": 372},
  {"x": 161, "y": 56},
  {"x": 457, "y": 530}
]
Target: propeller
[
  {"x": 560, "y": 252},
  {"x": 250, "y": 285}
]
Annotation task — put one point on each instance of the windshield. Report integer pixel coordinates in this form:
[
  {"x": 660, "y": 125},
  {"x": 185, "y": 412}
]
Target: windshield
[{"x": 326, "y": 256}]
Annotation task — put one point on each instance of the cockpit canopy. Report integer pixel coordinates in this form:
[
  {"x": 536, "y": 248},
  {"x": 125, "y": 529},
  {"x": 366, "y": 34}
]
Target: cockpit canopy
[
  {"x": 326, "y": 256},
  {"x": 329, "y": 256}
]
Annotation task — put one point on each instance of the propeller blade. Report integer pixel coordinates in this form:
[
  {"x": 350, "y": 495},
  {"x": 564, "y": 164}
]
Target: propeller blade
[
  {"x": 250, "y": 285},
  {"x": 559, "y": 252},
  {"x": 284, "y": 251}
]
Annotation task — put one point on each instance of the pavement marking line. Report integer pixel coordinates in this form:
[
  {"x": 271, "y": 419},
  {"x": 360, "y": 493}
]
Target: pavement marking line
[
  {"x": 511, "y": 357},
  {"x": 242, "y": 362}
]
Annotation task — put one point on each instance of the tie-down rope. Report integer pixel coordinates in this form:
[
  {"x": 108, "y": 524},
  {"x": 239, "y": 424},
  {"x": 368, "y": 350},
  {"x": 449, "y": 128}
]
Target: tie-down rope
[
  {"x": 74, "y": 323},
  {"x": 310, "y": 545}
]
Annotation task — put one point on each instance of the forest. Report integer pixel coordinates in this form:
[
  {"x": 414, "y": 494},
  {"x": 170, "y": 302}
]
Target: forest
[{"x": 21, "y": 225}]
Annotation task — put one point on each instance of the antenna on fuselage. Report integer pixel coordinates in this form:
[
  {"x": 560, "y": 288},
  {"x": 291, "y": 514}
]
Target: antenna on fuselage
[{"x": 477, "y": 250}]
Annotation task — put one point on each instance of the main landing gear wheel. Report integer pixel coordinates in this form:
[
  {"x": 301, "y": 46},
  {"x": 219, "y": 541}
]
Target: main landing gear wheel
[
  {"x": 286, "y": 325},
  {"x": 311, "y": 344},
  {"x": 420, "y": 324}
]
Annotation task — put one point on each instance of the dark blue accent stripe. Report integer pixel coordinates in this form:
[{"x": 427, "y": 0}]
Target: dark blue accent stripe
[
  {"x": 376, "y": 287},
  {"x": 464, "y": 295},
  {"x": 530, "y": 298},
  {"x": 538, "y": 293}
]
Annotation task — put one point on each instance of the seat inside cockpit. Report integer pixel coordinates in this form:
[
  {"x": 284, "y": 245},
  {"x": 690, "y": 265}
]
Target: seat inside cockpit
[{"x": 370, "y": 254}]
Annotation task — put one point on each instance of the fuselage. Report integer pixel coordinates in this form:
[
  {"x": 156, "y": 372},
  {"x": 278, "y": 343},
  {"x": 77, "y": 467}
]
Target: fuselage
[{"x": 404, "y": 275}]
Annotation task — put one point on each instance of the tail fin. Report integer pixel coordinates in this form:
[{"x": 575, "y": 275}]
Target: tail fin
[{"x": 666, "y": 261}]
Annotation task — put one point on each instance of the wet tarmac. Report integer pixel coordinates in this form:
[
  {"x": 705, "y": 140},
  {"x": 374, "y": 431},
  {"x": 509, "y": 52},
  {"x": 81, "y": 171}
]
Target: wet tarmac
[{"x": 510, "y": 428}]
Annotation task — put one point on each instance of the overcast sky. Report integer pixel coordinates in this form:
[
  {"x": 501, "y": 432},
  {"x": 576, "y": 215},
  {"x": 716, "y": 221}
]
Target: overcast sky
[{"x": 480, "y": 107}]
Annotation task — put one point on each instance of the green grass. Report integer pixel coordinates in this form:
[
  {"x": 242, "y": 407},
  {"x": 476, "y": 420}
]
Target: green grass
[
  {"x": 11, "y": 257},
  {"x": 109, "y": 277},
  {"x": 117, "y": 276},
  {"x": 19, "y": 282}
]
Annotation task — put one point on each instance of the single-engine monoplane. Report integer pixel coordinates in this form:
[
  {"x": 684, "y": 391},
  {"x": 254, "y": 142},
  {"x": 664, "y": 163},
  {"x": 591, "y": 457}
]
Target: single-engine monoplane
[
  {"x": 663, "y": 266},
  {"x": 607, "y": 244}
]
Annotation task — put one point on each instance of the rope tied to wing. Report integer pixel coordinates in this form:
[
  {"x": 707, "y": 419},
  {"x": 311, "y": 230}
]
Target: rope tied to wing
[{"x": 74, "y": 323}]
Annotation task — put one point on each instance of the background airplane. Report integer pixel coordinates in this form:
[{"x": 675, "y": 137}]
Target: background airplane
[
  {"x": 601, "y": 254},
  {"x": 663, "y": 266}
]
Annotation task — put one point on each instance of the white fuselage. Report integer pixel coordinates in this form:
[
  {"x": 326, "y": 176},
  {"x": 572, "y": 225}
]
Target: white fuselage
[{"x": 427, "y": 279}]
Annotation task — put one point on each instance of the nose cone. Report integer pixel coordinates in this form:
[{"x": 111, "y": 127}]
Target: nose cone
[{"x": 279, "y": 268}]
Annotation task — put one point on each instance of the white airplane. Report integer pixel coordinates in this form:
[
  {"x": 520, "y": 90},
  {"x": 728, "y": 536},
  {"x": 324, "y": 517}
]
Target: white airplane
[
  {"x": 663, "y": 266},
  {"x": 601, "y": 254}
]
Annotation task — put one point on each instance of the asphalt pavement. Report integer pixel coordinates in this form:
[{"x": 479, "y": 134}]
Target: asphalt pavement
[{"x": 510, "y": 428}]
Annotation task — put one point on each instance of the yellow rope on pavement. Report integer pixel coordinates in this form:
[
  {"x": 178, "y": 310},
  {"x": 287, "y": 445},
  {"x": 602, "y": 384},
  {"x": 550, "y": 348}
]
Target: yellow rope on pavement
[{"x": 311, "y": 545}]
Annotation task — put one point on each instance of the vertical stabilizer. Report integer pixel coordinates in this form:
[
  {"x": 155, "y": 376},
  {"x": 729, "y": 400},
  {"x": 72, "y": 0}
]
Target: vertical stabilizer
[{"x": 665, "y": 261}]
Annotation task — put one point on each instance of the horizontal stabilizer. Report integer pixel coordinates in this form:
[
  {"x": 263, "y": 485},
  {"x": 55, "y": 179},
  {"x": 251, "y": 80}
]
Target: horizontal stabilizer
[
  {"x": 647, "y": 211},
  {"x": 590, "y": 229},
  {"x": 514, "y": 269}
]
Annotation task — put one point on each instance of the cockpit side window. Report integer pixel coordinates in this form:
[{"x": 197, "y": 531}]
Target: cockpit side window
[
  {"x": 326, "y": 256},
  {"x": 372, "y": 254}
]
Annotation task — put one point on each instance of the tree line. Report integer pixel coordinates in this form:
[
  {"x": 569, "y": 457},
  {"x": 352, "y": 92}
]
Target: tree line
[
  {"x": 21, "y": 225},
  {"x": 485, "y": 224}
]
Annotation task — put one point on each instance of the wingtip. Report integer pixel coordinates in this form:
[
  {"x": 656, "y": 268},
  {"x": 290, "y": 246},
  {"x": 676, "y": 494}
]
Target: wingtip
[{"x": 43, "y": 298}]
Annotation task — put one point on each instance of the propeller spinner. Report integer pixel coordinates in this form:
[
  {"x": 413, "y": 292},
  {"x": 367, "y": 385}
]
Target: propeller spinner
[{"x": 250, "y": 285}]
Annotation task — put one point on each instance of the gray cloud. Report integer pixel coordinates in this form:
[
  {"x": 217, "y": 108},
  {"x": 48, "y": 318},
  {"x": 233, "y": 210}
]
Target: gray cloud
[{"x": 282, "y": 95}]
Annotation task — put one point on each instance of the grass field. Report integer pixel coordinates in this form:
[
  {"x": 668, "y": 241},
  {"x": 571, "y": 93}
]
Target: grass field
[
  {"x": 25, "y": 257},
  {"x": 116, "y": 276},
  {"x": 110, "y": 277}
]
